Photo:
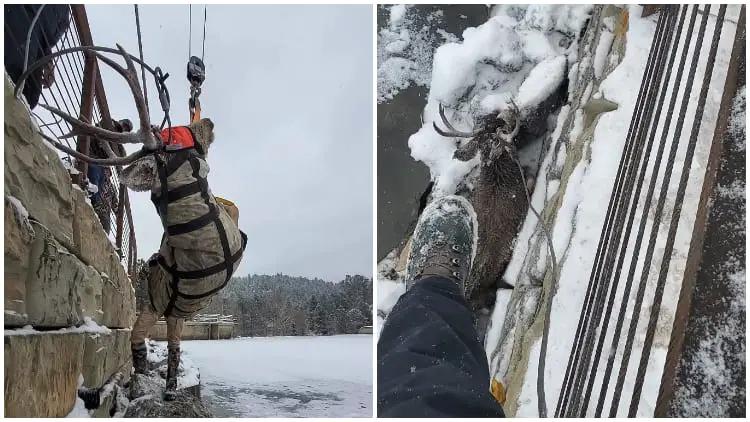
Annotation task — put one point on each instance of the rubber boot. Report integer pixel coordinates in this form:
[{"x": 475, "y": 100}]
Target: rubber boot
[
  {"x": 140, "y": 357},
  {"x": 173, "y": 364}
]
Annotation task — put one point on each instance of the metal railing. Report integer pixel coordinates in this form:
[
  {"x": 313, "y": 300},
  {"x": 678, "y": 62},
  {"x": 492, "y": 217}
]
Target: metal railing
[
  {"x": 208, "y": 319},
  {"x": 78, "y": 90}
]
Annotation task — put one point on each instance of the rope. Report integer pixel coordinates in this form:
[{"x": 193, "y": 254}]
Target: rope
[
  {"x": 140, "y": 50},
  {"x": 575, "y": 356},
  {"x": 541, "y": 396},
  {"x": 203, "y": 53},
  {"x": 28, "y": 41},
  {"x": 190, "y": 32}
]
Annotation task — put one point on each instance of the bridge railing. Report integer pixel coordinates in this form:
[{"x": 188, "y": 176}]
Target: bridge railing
[{"x": 78, "y": 90}]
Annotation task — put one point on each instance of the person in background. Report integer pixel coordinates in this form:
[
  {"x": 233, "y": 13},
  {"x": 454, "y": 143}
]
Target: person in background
[
  {"x": 52, "y": 23},
  {"x": 104, "y": 198}
]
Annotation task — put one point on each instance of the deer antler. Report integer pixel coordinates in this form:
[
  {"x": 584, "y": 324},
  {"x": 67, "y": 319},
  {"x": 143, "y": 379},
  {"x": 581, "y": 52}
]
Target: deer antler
[
  {"x": 452, "y": 132},
  {"x": 120, "y": 161},
  {"x": 514, "y": 114},
  {"x": 146, "y": 135}
]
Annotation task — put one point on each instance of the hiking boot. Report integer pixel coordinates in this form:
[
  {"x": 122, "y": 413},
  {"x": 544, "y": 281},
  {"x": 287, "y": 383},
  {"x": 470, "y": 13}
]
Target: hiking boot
[
  {"x": 173, "y": 363},
  {"x": 140, "y": 357},
  {"x": 444, "y": 242}
]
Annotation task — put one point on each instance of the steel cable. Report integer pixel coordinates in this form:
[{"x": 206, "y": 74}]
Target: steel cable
[
  {"x": 630, "y": 339},
  {"x": 675, "y": 220}
]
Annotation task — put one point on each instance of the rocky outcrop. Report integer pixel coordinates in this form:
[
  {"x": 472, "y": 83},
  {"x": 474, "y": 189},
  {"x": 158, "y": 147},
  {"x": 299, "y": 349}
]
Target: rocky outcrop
[
  {"x": 64, "y": 281},
  {"x": 524, "y": 316},
  {"x": 149, "y": 403}
]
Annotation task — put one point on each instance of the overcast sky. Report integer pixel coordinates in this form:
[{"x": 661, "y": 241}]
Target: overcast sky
[{"x": 289, "y": 89}]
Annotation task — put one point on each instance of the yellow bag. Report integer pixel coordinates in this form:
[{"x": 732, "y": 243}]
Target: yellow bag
[
  {"x": 498, "y": 391},
  {"x": 231, "y": 209}
]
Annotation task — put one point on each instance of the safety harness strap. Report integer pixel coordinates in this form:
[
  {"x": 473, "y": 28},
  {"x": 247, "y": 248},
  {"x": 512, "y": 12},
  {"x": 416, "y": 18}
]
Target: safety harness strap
[{"x": 200, "y": 185}]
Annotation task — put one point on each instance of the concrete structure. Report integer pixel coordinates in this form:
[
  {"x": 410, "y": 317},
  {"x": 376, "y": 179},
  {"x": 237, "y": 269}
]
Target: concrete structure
[{"x": 195, "y": 330}]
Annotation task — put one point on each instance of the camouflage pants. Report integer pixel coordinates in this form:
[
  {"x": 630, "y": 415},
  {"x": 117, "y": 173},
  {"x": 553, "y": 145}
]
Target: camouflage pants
[{"x": 147, "y": 319}]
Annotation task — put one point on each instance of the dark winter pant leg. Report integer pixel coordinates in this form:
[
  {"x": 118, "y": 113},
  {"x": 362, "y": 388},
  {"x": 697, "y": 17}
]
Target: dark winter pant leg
[{"x": 430, "y": 362}]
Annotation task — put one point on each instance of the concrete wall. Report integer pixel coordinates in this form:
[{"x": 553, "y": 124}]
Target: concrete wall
[
  {"x": 61, "y": 271},
  {"x": 196, "y": 331}
]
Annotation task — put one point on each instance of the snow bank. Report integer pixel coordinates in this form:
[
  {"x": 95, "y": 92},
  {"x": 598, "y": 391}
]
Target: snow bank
[
  {"x": 88, "y": 326},
  {"x": 520, "y": 53},
  {"x": 188, "y": 372}
]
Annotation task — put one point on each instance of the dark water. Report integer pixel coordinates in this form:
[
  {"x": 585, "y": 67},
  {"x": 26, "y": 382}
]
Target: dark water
[{"x": 401, "y": 180}]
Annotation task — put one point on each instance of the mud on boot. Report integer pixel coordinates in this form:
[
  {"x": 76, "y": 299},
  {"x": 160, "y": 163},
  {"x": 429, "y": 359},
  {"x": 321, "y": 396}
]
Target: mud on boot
[
  {"x": 173, "y": 364},
  {"x": 444, "y": 242},
  {"x": 140, "y": 357}
]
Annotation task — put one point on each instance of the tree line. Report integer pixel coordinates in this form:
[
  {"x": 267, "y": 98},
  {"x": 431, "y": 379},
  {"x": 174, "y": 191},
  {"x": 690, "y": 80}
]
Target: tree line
[{"x": 284, "y": 305}]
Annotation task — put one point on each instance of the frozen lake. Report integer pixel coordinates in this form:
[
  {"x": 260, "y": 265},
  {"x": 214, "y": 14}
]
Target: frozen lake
[{"x": 286, "y": 376}]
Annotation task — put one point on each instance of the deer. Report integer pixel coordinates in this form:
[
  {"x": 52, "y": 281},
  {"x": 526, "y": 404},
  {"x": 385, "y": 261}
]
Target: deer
[
  {"x": 202, "y": 245},
  {"x": 499, "y": 197}
]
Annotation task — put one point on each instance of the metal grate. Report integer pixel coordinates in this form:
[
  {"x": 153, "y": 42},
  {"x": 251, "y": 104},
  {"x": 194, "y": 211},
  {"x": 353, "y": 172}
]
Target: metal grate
[{"x": 70, "y": 94}]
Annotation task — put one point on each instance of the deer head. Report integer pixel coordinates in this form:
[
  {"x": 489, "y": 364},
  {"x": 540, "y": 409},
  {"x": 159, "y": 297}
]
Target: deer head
[
  {"x": 493, "y": 136},
  {"x": 141, "y": 174}
]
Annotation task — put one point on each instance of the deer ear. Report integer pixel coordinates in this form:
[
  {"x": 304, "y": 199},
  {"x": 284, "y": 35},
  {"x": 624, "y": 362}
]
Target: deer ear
[{"x": 467, "y": 151}]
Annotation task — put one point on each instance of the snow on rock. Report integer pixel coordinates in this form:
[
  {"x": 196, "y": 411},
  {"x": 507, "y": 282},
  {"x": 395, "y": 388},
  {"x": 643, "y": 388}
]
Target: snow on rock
[
  {"x": 589, "y": 165},
  {"x": 20, "y": 210},
  {"x": 516, "y": 54},
  {"x": 543, "y": 79},
  {"x": 79, "y": 410},
  {"x": 188, "y": 374},
  {"x": 398, "y": 12},
  {"x": 723, "y": 328},
  {"x": 88, "y": 326}
]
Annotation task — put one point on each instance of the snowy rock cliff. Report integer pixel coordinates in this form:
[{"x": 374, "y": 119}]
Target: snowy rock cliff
[{"x": 69, "y": 303}]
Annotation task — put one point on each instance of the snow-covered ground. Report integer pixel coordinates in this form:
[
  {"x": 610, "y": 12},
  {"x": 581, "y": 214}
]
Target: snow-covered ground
[
  {"x": 500, "y": 60},
  {"x": 286, "y": 376}
]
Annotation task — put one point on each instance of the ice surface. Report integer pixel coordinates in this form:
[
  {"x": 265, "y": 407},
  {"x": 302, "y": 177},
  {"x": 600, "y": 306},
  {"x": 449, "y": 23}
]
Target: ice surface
[{"x": 286, "y": 376}]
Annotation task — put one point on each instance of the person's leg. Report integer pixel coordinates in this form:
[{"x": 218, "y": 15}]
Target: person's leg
[
  {"x": 96, "y": 177},
  {"x": 430, "y": 361},
  {"x": 174, "y": 332},
  {"x": 146, "y": 320}
]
